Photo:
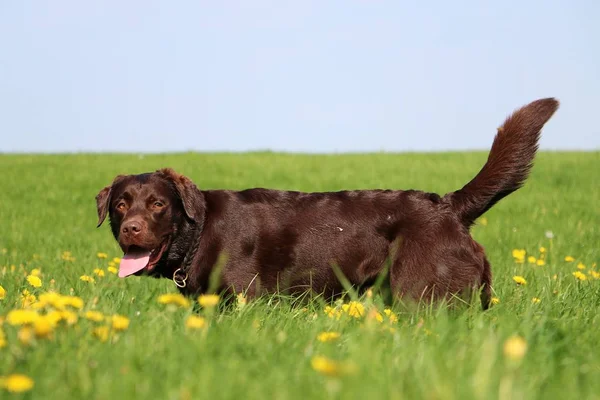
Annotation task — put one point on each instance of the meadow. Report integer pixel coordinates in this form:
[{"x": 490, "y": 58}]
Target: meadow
[{"x": 71, "y": 329}]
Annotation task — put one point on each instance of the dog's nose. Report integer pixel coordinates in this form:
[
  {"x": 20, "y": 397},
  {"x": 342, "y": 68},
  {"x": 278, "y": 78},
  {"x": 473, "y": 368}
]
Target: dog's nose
[{"x": 132, "y": 227}]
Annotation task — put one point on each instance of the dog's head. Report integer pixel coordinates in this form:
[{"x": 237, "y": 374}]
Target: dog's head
[{"x": 149, "y": 216}]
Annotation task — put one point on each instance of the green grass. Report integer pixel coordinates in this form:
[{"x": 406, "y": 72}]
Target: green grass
[{"x": 264, "y": 350}]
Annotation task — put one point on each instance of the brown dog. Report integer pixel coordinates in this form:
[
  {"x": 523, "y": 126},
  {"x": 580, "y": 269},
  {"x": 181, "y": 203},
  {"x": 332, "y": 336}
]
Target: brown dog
[{"x": 290, "y": 241}]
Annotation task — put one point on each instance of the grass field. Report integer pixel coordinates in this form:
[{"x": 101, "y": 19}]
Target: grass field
[{"x": 519, "y": 349}]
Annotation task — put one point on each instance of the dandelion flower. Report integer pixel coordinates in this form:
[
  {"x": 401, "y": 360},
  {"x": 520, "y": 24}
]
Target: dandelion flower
[
  {"x": 2, "y": 293},
  {"x": 102, "y": 333},
  {"x": 116, "y": 260},
  {"x": 99, "y": 272},
  {"x": 16, "y": 383},
  {"x": 195, "y": 322},
  {"x": 328, "y": 367},
  {"x": 34, "y": 281},
  {"x": 594, "y": 274},
  {"x": 22, "y": 317},
  {"x": 25, "y": 335},
  {"x": 43, "y": 327},
  {"x": 35, "y": 272},
  {"x": 119, "y": 322},
  {"x": 535, "y": 300},
  {"x": 69, "y": 317},
  {"x": 531, "y": 260},
  {"x": 542, "y": 250},
  {"x": 87, "y": 278},
  {"x": 102, "y": 255},
  {"x": 374, "y": 314},
  {"x": 27, "y": 299},
  {"x": 519, "y": 280},
  {"x": 581, "y": 266},
  {"x": 391, "y": 316},
  {"x": 580, "y": 275},
  {"x": 515, "y": 348},
  {"x": 208, "y": 300},
  {"x": 540, "y": 262},
  {"x": 495, "y": 300},
  {"x": 354, "y": 309},
  {"x": 332, "y": 312},
  {"x": 112, "y": 270},
  {"x": 569, "y": 259},
  {"x": 95, "y": 316},
  {"x": 328, "y": 336},
  {"x": 174, "y": 298},
  {"x": 73, "y": 301}
]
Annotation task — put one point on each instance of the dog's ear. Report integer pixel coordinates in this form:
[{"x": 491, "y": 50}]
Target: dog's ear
[
  {"x": 103, "y": 200},
  {"x": 193, "y": 200}
]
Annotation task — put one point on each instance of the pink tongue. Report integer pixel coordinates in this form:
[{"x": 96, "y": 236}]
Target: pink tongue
[{"x": 133, "y": 262}]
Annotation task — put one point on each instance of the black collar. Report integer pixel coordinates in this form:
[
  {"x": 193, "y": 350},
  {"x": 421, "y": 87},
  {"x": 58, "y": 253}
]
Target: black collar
[{"x": 180, "y": 276}]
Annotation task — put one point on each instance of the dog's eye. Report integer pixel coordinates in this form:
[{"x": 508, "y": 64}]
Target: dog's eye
[
  {"x": 121, "y": 206},
  {"x": 158, "y": 204}
]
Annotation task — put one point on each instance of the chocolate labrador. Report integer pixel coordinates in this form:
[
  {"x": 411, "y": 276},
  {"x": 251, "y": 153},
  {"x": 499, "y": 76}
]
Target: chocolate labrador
[{"x": 293, "y": 242}]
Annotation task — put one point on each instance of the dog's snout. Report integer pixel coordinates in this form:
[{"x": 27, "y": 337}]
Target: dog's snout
[{"x": 132, "y": 227}]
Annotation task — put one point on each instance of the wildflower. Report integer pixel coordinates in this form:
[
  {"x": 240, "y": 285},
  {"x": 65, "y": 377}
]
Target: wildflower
[
  {"x": 87, "y": 278},
  {"x": 116, "y": 260},
  {"x": 555, "y": 277},
  {"x": 99, "y": 272},
  {"x": 519, "y": 280},
  {"x": 495, "y": 300},
  {"x": 34, "y": 281},
  {"x": 195, "y": 322},
  {"x": 119, "y": 322},
  {"x": 354, "y": 309},
  {"x": 68, "y": 316},
  {"x": 208, "y": 300},
  {"x": 374, "y": 314},
  {"x": 581, "y": 266},
  {"x": 569, "y": 259},
  {"x": 531, "y": 260},
  {"x": 25, "y": 335},
  {"x": 174, "y": 298},
  {"x": 112, "y": 270},
  {"x": 540, "y": 262},
  {"x": 43, "y": 327},
  {"x": 332, "y": 312},
  {"x": 328, "y": 336},
  {"x": 27, "y": 299},
  {"x": 35, "y": 272},
  {"x": 21, "y": 317},
  {"x": 519, "y": 255},
  {"x": 579, "y": 275},
  {"x": 102, "y": 333},
  {"x": 67, "y": 256},
  {"x": 328, "y": 367},
  {"x": 542, "y": 250},
  {"x": 515, "y": 348},
  {"x": 95, "y": 316},
  {"x": 391, "y": 316},
  {"x": 594, "y": 274},
  {"x": 549, "y": 234},
  {"x": 2, "y": 293},
  {"x": 102, "y": 255},
  {"x": 16, "y": 383},
  {"x": 73, "y": 301},
  {"x": 535, "y": 300},
  {"x": 50, "y": 299}
]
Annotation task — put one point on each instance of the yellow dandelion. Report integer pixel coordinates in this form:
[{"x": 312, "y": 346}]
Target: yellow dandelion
[
  {"x": 594, "y": 274},
  {"x": 119, "y": 322},
  {"x": 43, "y": 327},
  {"x": 579, "y": 275},
  {"x": 332, "y": 312},
  {"x": 52, "y": 299},
  {"x": 374, "y": 314},
  {"x": 354, "y": 309},
  {"x": 531, "y": 260},
  {"x": 328, "y": 336},
  {"x": 174, "y": 298},
  {"x": 67, "y": 256},
  {"x": 581, "y": 266},
  {"x": 102, "y": 333},
  {"x": 391, "y": 316},
  {"x": 73, "y": 301},
  {"x": 195, "y": 322},
  {"x": 27, "y": 299},
  {"x": 95, "y": 316},
  {"x": 34, "y": 281},
  {"x": 535, "y": 300},
  {"x": 495, "y": 300},
  {"x": 68, "y": 316},
  {"x": 542, "y": 250},
  {"x": 35, "y": 272},
  {"x": 112, "y": 270},
  {"x": 208, "y": 300},
  {"x": 99, "y": 272},
  {"x": 2, "y": 293},
  {"x": 25, "y": 335},
  {"x": 116, "y": 260},
  {"x": 540, "y": 262},
  {"x": 519, "y": 280},
  {"x": 569, "y": 259},
  {"x": 102, "y": 255},
  {"x": 519, "y": 255},
  {"x": 16, "y": 383},
  {"x": 329, "y": 367},
  {"x": 555, "y": 277},
  {"x": 22, "y": 317},
  {"x": 515, "y": 348},
  {"x": 87, "y": 278}
]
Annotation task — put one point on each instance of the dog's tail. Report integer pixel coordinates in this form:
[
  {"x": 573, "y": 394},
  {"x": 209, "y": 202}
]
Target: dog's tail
[{"x": 508, "y": 164}]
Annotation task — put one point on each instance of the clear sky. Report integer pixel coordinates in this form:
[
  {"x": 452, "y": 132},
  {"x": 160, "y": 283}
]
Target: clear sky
[{"x": 309, "y": 76}]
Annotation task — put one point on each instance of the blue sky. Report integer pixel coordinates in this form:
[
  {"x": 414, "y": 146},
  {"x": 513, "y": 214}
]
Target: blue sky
[{"x": 304, "y": 76}]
